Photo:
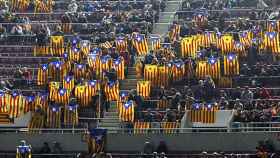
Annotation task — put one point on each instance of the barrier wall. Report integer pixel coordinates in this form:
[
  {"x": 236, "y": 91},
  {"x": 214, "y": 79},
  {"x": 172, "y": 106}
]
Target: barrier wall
[
  {"x": 68, "y": 141},
  {"x": 191, "y": 141}
]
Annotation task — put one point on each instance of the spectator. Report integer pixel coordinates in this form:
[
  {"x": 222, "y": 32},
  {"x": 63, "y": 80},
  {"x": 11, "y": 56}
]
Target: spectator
[
  {"x": 148, "y": 148},
  {"x": 45, "y": 149},
  {"x": 162, "y": 147}
]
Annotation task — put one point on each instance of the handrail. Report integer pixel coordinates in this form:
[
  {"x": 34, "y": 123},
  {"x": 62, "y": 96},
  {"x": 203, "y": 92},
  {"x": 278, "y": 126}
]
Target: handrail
[{"x": 45, "y": 130}]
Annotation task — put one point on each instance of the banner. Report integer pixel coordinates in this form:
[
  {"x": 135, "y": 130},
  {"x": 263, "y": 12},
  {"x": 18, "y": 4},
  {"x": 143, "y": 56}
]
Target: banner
[
  {"x": 163, "y": 76},
  {"x": 189, "y": 47},
  {"x": 150, "y": 74},
  {"x": 246, "y": 38},
  {"x": 273, "y": 26},
  {"x": 68, "y": 82},
  {"x": 30, "y": 104},
  {"x": 42, "y": 75},
  {"x": 144, "y": 89},
  {"x": 271, "y": 41},
  {"x": 226, "y": 44},
  {"x": 74, "y": 54},
  {"x": 16, "y": 105},
  {"x": 156, "y": 44},
  {"x": 43, "y": 6},
  {"x": 240, "y": 49},
  {"x": 201, "y": 69},
  {"x": 71, "y": 117},
  {"x": 214, "y": 67},
  {"x": 84, "y": 93},
  {"x": 141, "y": 127},
  {"x": 93, "y": 61},
  {"x": 23, "y": 151},
  {"x": 126, "y": 111},
  {"x": 178, "y": 71},
  {"x": 54, "y": 116},
  {"x": 174, "y": 32},
  {"x": 112, "y": 90},
  {"x": 57, "y": 45},
  {"x": 231, "y": 65},
  {"x": 202, "y": 113},
  {"x": 19, "y": 5},
  {"x": 121, "y": 44},
  {"x": 97, "y": 140},
  {"x": 200, "y": 19},
  {"x": 85, "y": 46},
  {"x": 79, "y": 71},
  {"x": 4, "y": 101},
  {"x": 139, "y": 42},
  {"x": 118, "y": 65}
]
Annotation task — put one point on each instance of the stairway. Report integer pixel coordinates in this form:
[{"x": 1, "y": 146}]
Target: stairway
[
  {"x": 111, "y": 118},
  {"x": 4, "y": 118},
  {"x": 166, "y": 17}
]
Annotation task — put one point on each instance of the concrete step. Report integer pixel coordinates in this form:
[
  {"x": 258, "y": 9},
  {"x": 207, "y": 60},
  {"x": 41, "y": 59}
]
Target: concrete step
[
  {"x": 108, "y": 124},
  {"x": 131, "y": 76},
  {"x": 111, "y": 115},
  {"x": 111, "y": 120}
]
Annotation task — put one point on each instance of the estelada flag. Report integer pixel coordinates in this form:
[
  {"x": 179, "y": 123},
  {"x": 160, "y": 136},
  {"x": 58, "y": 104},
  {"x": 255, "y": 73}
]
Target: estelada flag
[
  {"x": 54, "y": 116},
  {"x": 231, "y": 65},
  {"x": 69, "y": 82},
  {"x": 19, "y": 5},
  {"x": 150, "y": 74},
  {"x": 271, "y": 41},
  {"x": 144, "y": 88},
  {"x": 156, "y": 43},
  {"x": 71, "y": 117},
  {"x": 42, "y": 75},
  {"x": 245, "y": 38},
  {"x": 214, "y": 67},
  {"x": 140, "y": 43},
  {"x": 189, "y": 47},
  {"x": 118, "y": 64},
  {"x": 240, "y": 49},
  {"x": 57, "y": 45},
  {"x": 121, "y": 44},
  {"x": 126, "y": 111},
  {"x": 96, "y": 142},
  {"x": 112, "y": 90},
  {"x": 4, "y": 101},
  {"x": 85, "y": 47}
]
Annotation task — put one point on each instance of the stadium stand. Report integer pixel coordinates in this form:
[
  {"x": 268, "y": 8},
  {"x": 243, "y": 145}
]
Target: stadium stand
[{"x": 140, "y": 69}]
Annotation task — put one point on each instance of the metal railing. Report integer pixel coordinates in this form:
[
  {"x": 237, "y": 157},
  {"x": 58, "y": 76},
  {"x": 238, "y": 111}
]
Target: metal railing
[{"x": 45, "y": 130}]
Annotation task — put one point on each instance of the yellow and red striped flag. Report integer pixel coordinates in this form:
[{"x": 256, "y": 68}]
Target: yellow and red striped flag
[
  {"x": 144, "y": 89},
  {"x": 118, "y": 64},
  {"x": 156, "y": 43},
  {"x": 271, "y": 41},
  {"x": 231, "y": 65},
  {"x": 240, "y": 49},
  {"x": 57, "y": 45},
  {"x": 112, "y": 90},
  {"x": 68, "y": 82},
  {"x": 140, "y": 43},
  {"x": 245, "y": 38},
  {"x": 189, "y": 47},
  {"x": 54, "y": 116},
  {"x": 126, "y": 111},
  {"x": 71, "y": 118},
  {"x": 4, "y": 101},
  {"x": 174, "y": 32},
  {"x": 121, "y": 44},
  {"x": 150, "y": 74},
  {"x": 214, "y": 67},
  {"x": 42, "y": 75},
  {"x": 226, "y": 44},
  {"x": 141, "y": 127},
  {"x": 79, "y": 71}
]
